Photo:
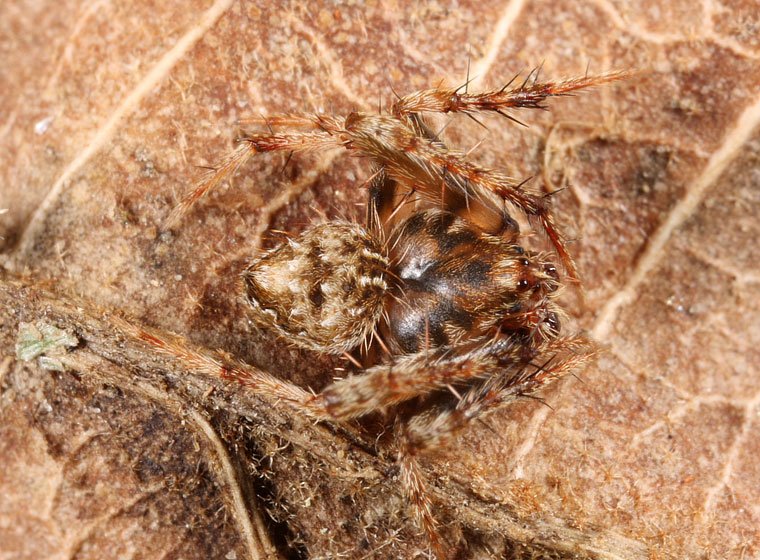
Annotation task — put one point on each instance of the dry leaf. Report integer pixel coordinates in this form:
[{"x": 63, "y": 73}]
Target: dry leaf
[{"x": 108, "y": 109}]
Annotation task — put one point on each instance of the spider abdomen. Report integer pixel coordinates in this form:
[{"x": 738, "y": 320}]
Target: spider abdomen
[{"x": 322, "y": 290}]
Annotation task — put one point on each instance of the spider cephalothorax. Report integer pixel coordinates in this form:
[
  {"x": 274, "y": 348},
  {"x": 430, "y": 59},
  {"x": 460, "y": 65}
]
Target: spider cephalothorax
[
  {"x": 438, "y": 275},
  {"x": 454, "y": 283}
]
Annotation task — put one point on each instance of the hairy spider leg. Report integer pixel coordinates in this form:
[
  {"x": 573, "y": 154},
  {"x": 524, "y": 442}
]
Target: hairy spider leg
[
  {"x": 530, "y": 95},
  {"x": 294, "y": 142},
  {"x": 388, "y": 384},
  {"x": 503, "y": 385},
  {"x": 375, "y": 387},
  {"x": 438, "y": 427},
  {"x": 412, "y": 155},
  {"x": 422, "y": 164}
]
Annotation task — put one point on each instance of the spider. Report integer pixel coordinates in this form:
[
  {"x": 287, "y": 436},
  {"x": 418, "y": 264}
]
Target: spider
[{"x": 466, "y": 318}]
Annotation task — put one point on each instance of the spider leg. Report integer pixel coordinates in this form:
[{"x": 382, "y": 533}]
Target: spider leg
[
  {"x": 439, "y": 426},
  {"x": 324, "y": 138},
  {"x": 529, "y": 94},
  {"x": 532, "y": 205},
  {"x": 473, "y": 181},
  {"x": 305, "y": 402},
  {"x": 477, "y": 183},
  {"x": 407, "y": 377},
  {"x": 382, "y": 192},
  {"x": 424, "y": 165},
  {"x": 321, "y": 121},
  {"x": 259, "y": 381},
  {"x": 414, "y": 485},
  {"x": 507, "y": 377}
]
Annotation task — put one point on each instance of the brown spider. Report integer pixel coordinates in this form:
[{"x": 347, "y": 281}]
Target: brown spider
[{"x": 466, "y": 318}]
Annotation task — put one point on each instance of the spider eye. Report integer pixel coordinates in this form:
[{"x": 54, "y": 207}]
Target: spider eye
[
  {"x": 552, "y": 322},
  {"x": 523, "y": 284}
]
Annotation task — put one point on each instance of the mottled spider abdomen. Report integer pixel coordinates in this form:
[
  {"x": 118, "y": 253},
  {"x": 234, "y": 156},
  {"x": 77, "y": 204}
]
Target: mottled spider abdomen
[
  {"x": 455, "y": 282},
  {"x": 322, "y": 290}
]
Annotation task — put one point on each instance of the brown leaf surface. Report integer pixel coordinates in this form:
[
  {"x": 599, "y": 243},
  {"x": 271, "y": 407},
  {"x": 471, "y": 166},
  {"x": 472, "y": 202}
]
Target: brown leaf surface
[{"x": 107, "y": 109}]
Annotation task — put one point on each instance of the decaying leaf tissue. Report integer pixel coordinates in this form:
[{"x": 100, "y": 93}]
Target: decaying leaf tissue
[
  {"x": 112, "y": 448},
  {"x": 441, "y": 310}
]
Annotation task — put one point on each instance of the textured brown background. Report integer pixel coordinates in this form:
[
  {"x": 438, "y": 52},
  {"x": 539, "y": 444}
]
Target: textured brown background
[{"x": 651, "y": 454}]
